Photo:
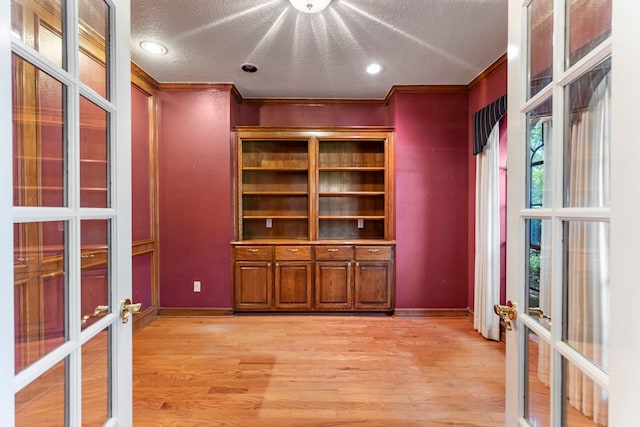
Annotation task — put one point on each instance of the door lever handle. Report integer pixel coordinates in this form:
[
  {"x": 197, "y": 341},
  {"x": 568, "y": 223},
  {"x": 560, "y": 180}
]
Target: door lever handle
[
  {"x": 98, "y": 311},
  {"x": 507, "y": 313},
  {"x": 539, "y": 313},
  {"x": 127, "y": 308}
]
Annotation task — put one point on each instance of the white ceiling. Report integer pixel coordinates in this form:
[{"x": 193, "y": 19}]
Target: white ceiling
[{"x": 324, "y": 55}]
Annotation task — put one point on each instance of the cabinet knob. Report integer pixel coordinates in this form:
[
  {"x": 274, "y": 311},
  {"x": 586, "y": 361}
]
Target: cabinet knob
[
  {"x": 292, "y": 250},
  {"x": 332, "y": 250},
  {"x": 373, "y": 251},
  {"x": 253, "y": 251}
]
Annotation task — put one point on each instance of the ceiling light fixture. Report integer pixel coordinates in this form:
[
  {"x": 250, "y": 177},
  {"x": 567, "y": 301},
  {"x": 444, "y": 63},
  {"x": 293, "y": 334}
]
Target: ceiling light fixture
[
  {"x": 374, "y": 68},
  {"x": 310, "y": 6},
  {"x": 154, "y": 48}
]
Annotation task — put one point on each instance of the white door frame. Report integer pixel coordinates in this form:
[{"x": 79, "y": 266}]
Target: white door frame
[
  {"x": 7, "y": 406},
  {"x": 624, "y": 351},
  {"x": 120, "y": 215},
  {"x": 624, "y": 391}
]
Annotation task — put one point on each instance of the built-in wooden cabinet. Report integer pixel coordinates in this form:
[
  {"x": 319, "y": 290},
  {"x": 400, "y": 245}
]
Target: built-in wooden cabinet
[
  {"x": 253, "y": 274},
  {"x": 314, "y": 220}
]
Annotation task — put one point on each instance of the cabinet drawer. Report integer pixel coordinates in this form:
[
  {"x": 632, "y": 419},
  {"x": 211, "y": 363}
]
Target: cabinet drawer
[
  {"x": 253, "y": 253},
  {"x": 287, "y": 253},
  {"x": 334, "y": 252},
  {"x": 377, "y": 253}
]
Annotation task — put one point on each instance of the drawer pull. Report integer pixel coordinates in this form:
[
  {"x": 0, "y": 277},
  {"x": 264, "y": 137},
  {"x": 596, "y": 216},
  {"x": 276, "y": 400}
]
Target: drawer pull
[
  {"x": 374, "y": 251},
  {"x": 253, "y": 251},
  {"x": 292, "y": 250},
  {"x": 332, "y": 250}
]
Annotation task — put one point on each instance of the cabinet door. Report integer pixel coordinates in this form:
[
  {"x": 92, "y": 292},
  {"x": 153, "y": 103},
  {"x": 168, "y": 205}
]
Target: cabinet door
[
  {"x": 253, "y": 286},
  {"x": 333, "y": 285},
  {"x": 293, "y": 285},
  {"x": 373, "y": 281}
]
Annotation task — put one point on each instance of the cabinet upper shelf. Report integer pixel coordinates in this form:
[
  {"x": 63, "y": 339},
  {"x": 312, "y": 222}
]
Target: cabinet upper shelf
[{"x": 315, "y": 184}]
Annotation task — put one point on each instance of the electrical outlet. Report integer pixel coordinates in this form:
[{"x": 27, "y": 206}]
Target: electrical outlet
[
  {"x": 360, "y": 223},
  {"x": 269, "y": 223},
  {"x": 196, "y": 286}
]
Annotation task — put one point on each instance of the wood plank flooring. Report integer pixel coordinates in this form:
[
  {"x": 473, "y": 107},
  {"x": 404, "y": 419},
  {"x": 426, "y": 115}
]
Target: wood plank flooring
[{"x": 304, "y": 370}]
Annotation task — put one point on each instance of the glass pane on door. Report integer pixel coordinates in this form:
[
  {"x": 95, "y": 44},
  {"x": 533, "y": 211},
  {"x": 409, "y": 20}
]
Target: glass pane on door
[
  {"x": 94, "y": 155},
  {"x": 587, "y": 289},
  {"x": 584, "y": 402},
  {"x": 587, "y": 139},
  {"x": 96, "y": 379},
  {"x": 94, "y": 44},
  {"x": 538, "y": 158},
  {"x": 40, "y": 290},
  {"x": 537, "y": 380},
  {"x": 539, "y": 268},
  {"x": 42, "y": 402},
  {"x": 40, "y": 25},
  {"x": 588, "y": 24},
  {"x": 39, "y": 135},
  {"x": 94, "y": 280},
  {"x": 540, "y": 25}
]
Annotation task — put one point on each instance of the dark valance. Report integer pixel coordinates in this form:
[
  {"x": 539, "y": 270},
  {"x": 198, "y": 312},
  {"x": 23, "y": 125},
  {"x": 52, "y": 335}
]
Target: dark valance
[{"x": 484, "y": 120}]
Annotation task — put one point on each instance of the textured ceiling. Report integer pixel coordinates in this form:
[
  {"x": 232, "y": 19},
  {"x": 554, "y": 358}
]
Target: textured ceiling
[{"x": 324, "y": 55}]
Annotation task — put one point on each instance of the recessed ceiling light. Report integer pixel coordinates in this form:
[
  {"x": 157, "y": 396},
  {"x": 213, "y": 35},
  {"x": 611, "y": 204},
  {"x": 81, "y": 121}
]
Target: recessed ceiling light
[
  {"x": 374, "y": 68},
  {"x": 249, "y": 68},
  {"x": 154, "y": 48},
  {"x": 310, "y": 6}
]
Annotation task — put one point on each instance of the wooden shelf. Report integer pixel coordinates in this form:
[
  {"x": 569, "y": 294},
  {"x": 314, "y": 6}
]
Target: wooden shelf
[
  {"x": 275, "y": 193},
  {"x": 352, "y": 217},
  {"x": 275, "y": 169},
  {"x": 352, "y": 193},
  {"x": 351, "y": 169},
  {"x": 274, "y": 217},
  {"x": 317, "y": 182}
]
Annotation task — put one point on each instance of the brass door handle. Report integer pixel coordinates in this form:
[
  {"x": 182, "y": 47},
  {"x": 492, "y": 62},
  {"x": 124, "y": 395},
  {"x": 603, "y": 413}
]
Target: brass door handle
[
  {"x": 98, "y": 311},
  {"x": 507, "y": 313},
  {"x": 127, "y": 308},
  {"x": 538, "y": 312}
]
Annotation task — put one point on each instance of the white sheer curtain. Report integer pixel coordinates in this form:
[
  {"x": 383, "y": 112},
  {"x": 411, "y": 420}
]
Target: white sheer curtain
[
  {"x": 588, "y": 252},
  {"x": 487, "y": 250}
]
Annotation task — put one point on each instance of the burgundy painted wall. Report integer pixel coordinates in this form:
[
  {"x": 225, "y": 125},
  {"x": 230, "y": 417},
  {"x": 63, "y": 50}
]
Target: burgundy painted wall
[
  {"x": 431, "y": 200},
  {"x": 142, "y": 277},
  {"x": 194, "y": 162},
  {"x": 489, "y": 89},
  {"x": 432, "y": 159},
  {"x": 140, "y": 166},
  {"x": 338, "y": 114}
]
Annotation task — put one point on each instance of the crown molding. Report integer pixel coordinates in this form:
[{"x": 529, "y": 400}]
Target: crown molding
[
  {"x": 143, "y": 80},
  {"x": 218, "y": 87},
  {"x": 486, "y": 73}
]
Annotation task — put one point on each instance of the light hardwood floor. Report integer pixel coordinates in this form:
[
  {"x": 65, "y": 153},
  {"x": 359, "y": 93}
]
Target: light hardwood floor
[{"x": 304, "y": 370}]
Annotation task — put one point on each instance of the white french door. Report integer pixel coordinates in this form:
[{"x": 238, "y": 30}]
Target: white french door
[
  {"x": 573, "y": 251},
  {"x": 65, "y": 213}
]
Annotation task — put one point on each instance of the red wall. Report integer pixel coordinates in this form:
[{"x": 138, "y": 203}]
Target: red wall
[
  {"x": 435, "y": 181},
  {"x": 140, "y": 166},
  {"x": 194, "y": 165},
  {"x": 489, "y": 89},
  {"x": 337, "y": 114},
  {"x": 431, "y": 200}
]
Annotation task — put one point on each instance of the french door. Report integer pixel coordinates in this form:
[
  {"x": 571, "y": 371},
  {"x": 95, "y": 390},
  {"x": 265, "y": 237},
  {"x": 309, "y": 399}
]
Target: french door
[
  {"x": 573, "y": 231},
  {"x": 65, "y": 213}
]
